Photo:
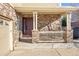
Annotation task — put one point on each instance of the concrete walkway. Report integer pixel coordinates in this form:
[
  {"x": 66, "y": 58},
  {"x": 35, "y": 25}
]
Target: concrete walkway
[
  {"x": 45, "y": 52},
  {"x": 22, "y": 45},
  {"x": 46, "y": 49}
]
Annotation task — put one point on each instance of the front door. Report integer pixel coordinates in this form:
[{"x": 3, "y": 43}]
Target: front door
[{"x": 27, "y": 23}]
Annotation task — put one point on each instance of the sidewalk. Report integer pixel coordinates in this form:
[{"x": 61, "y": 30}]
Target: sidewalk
[{"x": 45, "y": 52}]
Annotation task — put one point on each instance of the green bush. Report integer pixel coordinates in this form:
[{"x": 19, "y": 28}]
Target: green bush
[{"x": 64, "y": 21}]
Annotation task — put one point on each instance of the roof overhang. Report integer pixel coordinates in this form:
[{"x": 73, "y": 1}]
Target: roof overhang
[{"x": 51, "y": 8}]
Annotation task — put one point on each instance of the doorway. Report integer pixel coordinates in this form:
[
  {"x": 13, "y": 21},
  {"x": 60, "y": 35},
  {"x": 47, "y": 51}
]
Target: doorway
[{"x": 27, "y": 26}]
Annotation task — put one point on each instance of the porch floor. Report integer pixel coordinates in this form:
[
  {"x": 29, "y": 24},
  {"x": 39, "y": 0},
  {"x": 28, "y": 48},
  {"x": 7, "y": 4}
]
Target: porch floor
[{"x": 21, "y": 45}]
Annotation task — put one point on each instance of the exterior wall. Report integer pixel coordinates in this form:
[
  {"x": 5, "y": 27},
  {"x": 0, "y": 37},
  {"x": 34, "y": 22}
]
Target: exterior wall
[
  {"x": 4, "y": 38},
  {"x": 35, "y": 36},
  {"x": 19, "y": 22},
  {"x": 44, "y": 34},
  {"x": 4, "y": 41},
  {"x": 68, "y": 36},
  {"x": 19, "y": 27},
  {"x": 16, "y": 27},
  {"x": 49, "y": 22},
  {"x": 68, "y": 33},
  {"x": 7, "y": 12},
  {"x": 75, "y": 24}
]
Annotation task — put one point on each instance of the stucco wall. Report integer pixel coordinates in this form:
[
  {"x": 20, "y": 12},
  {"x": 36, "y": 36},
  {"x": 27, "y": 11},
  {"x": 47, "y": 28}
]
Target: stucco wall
[{"x": 49, "y": 22}]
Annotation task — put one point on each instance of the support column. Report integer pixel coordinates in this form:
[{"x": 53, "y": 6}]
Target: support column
[
  {"x": 35, "y": 32},
  {"x": 34, "y": 20},
  {"x": 69, "y": 32},
  {"x": 11, "y": 35},
  {"x": 69, "y": 21},
  {"x": 61, "y": 22}
]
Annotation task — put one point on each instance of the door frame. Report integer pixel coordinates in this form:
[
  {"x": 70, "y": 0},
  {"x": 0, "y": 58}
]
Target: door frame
[{"x": 23, "y": 24}]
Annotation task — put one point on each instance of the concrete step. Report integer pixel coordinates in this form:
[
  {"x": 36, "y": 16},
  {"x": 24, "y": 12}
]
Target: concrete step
[{"x": 25, "y": 37}]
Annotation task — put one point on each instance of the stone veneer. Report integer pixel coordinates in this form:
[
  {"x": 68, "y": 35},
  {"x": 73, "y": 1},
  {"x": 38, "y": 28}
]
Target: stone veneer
[
  {"x": 68, "y": 36},
  {"x": 7, "y": 11},
  {"x": 49, "y": 22}
]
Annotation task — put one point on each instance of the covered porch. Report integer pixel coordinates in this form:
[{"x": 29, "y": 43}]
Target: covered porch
[
  {"x": 48, "y": 28},
  {"x": 47, "y": 22}
]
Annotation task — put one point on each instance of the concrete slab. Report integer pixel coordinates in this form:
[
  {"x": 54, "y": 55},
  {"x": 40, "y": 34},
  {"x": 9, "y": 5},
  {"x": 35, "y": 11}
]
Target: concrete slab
[
  {"x": 21, "y": 52},
  {"x": 34, "y": 52},
  {"x": 68, "y": 52},
  {"x": 46, "y": 49},
  {"x": 22, "y": 45},
  {"x": 63, "y": 45},
  {"x": 45, "y": 52}
]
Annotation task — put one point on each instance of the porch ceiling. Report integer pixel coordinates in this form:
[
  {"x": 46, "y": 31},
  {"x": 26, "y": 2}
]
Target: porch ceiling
[{"x": 50, "y": 8}]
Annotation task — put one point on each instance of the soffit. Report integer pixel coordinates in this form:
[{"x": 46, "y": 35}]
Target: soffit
[{"x": 51, "y": 8}]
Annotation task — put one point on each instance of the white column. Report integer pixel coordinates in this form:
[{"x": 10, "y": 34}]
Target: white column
[
  {"x": 11, "y": 35},
  {"x": 69, "y": 34},
  {"x": 61, "y": 21},
  {"x": 34, "y": 20},
  {"x": 69, "y": 21},
  {"x": 35, "y": 33}
]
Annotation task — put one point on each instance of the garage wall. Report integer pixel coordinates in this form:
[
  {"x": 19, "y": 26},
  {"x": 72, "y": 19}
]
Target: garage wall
[
  {"x": 6, "y": 34},
  {"x": 4, "y": 37},
  {"x": 8, "y": 11}
]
